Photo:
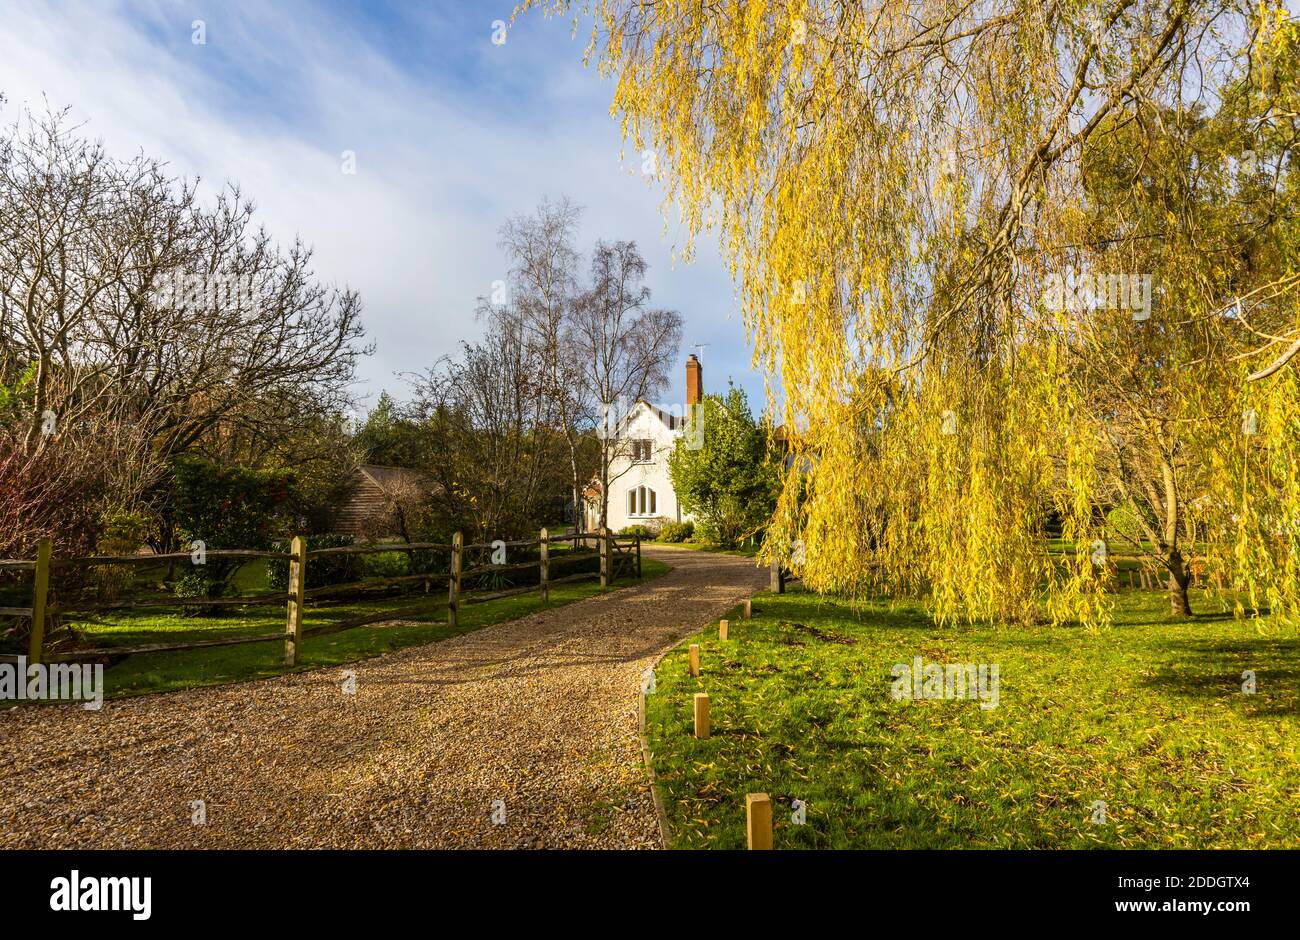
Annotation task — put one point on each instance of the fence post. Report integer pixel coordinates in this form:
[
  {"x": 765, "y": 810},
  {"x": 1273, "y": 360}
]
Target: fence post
[
  {"x": 453, "y": 581},
  {"x": 297, "y": 597},
  {"x": 638, "y": 558},
  {"x": 544, "y": 564},
  {"x": 603, "y": 542},
  {"x": 778, "y": 580},
  {"x": 758, "y": 820},
  {"x": 40, "y": 590}
]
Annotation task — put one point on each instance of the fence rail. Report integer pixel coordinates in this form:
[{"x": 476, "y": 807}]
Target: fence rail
[{"x": 615, "y": 555}]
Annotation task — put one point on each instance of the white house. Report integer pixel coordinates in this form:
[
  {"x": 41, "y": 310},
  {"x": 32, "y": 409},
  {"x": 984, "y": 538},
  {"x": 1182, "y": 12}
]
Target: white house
[{"x": 641, "y": 491}]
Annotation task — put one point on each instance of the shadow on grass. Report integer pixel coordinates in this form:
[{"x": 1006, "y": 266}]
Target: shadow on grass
[{"x": 1213, "y": 669}]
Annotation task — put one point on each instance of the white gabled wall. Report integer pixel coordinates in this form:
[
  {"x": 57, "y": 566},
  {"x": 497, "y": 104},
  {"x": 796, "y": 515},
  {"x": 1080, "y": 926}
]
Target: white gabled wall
[{"x": 642, "y": 424}]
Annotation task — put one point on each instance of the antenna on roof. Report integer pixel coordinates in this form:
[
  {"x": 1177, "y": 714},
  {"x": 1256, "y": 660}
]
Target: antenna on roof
[{"x": 701, "y": 347}]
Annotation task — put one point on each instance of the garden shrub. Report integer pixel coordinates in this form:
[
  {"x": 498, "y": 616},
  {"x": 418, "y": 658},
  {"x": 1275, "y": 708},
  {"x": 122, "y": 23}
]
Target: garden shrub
[
  {"x": 226, "y": 508},
  {"x": 197, "y": 583},
  {"x": 677, "y": 531},
  {"x": 121, "y": 533},
  {"x": 229, "y": 508},
  {"x": 385, "y": 565},
  {"x": 321, "y": 572}
]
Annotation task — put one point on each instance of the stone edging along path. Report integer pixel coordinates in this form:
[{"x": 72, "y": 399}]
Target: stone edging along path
[{"x": 524, "y": 734}]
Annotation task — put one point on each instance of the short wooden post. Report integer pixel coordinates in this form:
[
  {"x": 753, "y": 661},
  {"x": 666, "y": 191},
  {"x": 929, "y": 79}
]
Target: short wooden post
[
  {"x": 778, "y": 579},
  {"x": 722, "y": 629},
  {"x": 544, "y": 565},
  {"x": 701, "y": 714},
  {"x": 297, "y": 597},
  {"x": 695, "y": 659},
  {"x": 758, "y": 820},
  {"x": 453, "y": 578},
  {"x": 602, "y": 541},
  {"x": 40, "y": 591},
  {"x": 638, "y": 558},
  {"x": 749, "y": 608}
]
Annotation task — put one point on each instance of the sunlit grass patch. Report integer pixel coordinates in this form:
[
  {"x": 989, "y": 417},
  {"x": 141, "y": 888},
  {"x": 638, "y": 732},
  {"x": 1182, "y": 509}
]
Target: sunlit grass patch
[{"x": 1149, "y": 717}]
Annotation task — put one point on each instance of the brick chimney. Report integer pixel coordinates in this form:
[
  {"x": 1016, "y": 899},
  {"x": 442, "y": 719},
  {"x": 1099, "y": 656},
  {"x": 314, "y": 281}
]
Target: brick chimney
[{"x": 694, "y": 381}]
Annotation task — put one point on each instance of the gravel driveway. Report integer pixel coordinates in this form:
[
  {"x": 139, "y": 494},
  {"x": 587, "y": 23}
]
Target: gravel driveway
[{"x": 540, "y": 713}]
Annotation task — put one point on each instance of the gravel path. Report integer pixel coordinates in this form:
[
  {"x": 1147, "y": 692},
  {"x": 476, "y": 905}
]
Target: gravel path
[{"x": 540, "y": 713}]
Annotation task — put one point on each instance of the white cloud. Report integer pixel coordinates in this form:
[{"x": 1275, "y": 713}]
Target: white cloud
[{"x": 445, "y": 149}]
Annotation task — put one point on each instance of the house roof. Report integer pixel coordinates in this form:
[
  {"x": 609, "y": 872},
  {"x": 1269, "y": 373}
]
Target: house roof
[
  {"x": 373, "y": 489},
  {"x": 388, "y": 478},
  {"x": 669, "y": 420}
]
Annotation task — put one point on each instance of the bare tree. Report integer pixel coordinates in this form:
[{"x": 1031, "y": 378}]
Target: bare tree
[
  {"x": 488, "y": 421},
  {"x": 125, "y": 303},
  {"x": 544, "y": 288},
  {"x": 626, "y": 348}
]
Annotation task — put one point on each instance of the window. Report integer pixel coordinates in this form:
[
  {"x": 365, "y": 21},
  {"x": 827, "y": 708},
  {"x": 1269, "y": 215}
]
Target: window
[
  {"x": 641, "y": 501},
  {"x": 641, "y": 451}
]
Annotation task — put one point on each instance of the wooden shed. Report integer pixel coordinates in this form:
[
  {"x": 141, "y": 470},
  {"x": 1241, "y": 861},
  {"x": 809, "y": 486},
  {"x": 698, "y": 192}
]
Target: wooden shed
[{"x": 374, "y": 491}]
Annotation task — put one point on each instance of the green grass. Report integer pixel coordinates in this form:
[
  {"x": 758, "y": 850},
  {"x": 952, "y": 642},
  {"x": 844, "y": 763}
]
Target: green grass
[
  {"x": 160, "y": 672},
  {"x": 745, "y": 551},
  {"x": 1148, "y": 716}
]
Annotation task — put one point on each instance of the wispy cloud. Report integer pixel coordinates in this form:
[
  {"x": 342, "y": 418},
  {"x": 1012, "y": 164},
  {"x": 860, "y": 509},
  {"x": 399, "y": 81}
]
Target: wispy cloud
[{"x": 451, "y": 134}]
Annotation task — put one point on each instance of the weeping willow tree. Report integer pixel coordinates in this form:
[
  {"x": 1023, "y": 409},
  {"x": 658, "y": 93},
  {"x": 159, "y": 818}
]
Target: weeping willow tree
[{"x": 896, "y": 184}]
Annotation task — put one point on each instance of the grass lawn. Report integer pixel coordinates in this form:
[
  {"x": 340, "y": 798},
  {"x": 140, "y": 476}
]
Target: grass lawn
[
  {"x": 1149, "y": 716},
  {"x": 744, "y": 551},
  {"x": 158, "y": 672}
]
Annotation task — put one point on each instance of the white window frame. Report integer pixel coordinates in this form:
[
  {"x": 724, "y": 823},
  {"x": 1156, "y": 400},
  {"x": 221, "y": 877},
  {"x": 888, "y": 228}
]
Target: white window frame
[
  {"x": 642, "y": 502},
  {"x": 637, "y": 445}
]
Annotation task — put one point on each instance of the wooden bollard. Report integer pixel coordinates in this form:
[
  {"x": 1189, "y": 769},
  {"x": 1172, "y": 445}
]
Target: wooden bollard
[
  {"x": 695, "y": 659},
  {"x": 758, "y": 820},
  {"x": 702, "y": 720},
  {"x": 722, "y": 629},
  {"x": 749, "y": 608}
]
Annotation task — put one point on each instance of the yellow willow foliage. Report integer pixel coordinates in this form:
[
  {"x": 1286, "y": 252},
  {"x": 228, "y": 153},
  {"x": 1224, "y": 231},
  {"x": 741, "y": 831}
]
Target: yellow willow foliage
[
  {"x": 1252, "y": 529},
  {"x": 881, "y": 174}
]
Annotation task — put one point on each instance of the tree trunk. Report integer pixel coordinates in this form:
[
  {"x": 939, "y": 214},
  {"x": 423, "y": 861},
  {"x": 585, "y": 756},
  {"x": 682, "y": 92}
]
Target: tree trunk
[
  {"x": 604, "y": 491},
  {"x": 1179, "y": 579},
  {"x": 579, "y": 504}
]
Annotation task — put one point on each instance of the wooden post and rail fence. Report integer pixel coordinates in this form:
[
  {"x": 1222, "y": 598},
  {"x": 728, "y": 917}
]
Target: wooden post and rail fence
[{"x": 616, "y": 558}]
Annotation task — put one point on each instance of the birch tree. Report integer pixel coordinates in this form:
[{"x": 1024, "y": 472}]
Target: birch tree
[{"x": 625, "y": 346}]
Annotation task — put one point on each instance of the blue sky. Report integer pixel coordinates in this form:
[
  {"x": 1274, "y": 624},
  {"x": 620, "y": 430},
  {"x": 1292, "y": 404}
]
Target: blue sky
[{"x": 452, "y": 134}]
